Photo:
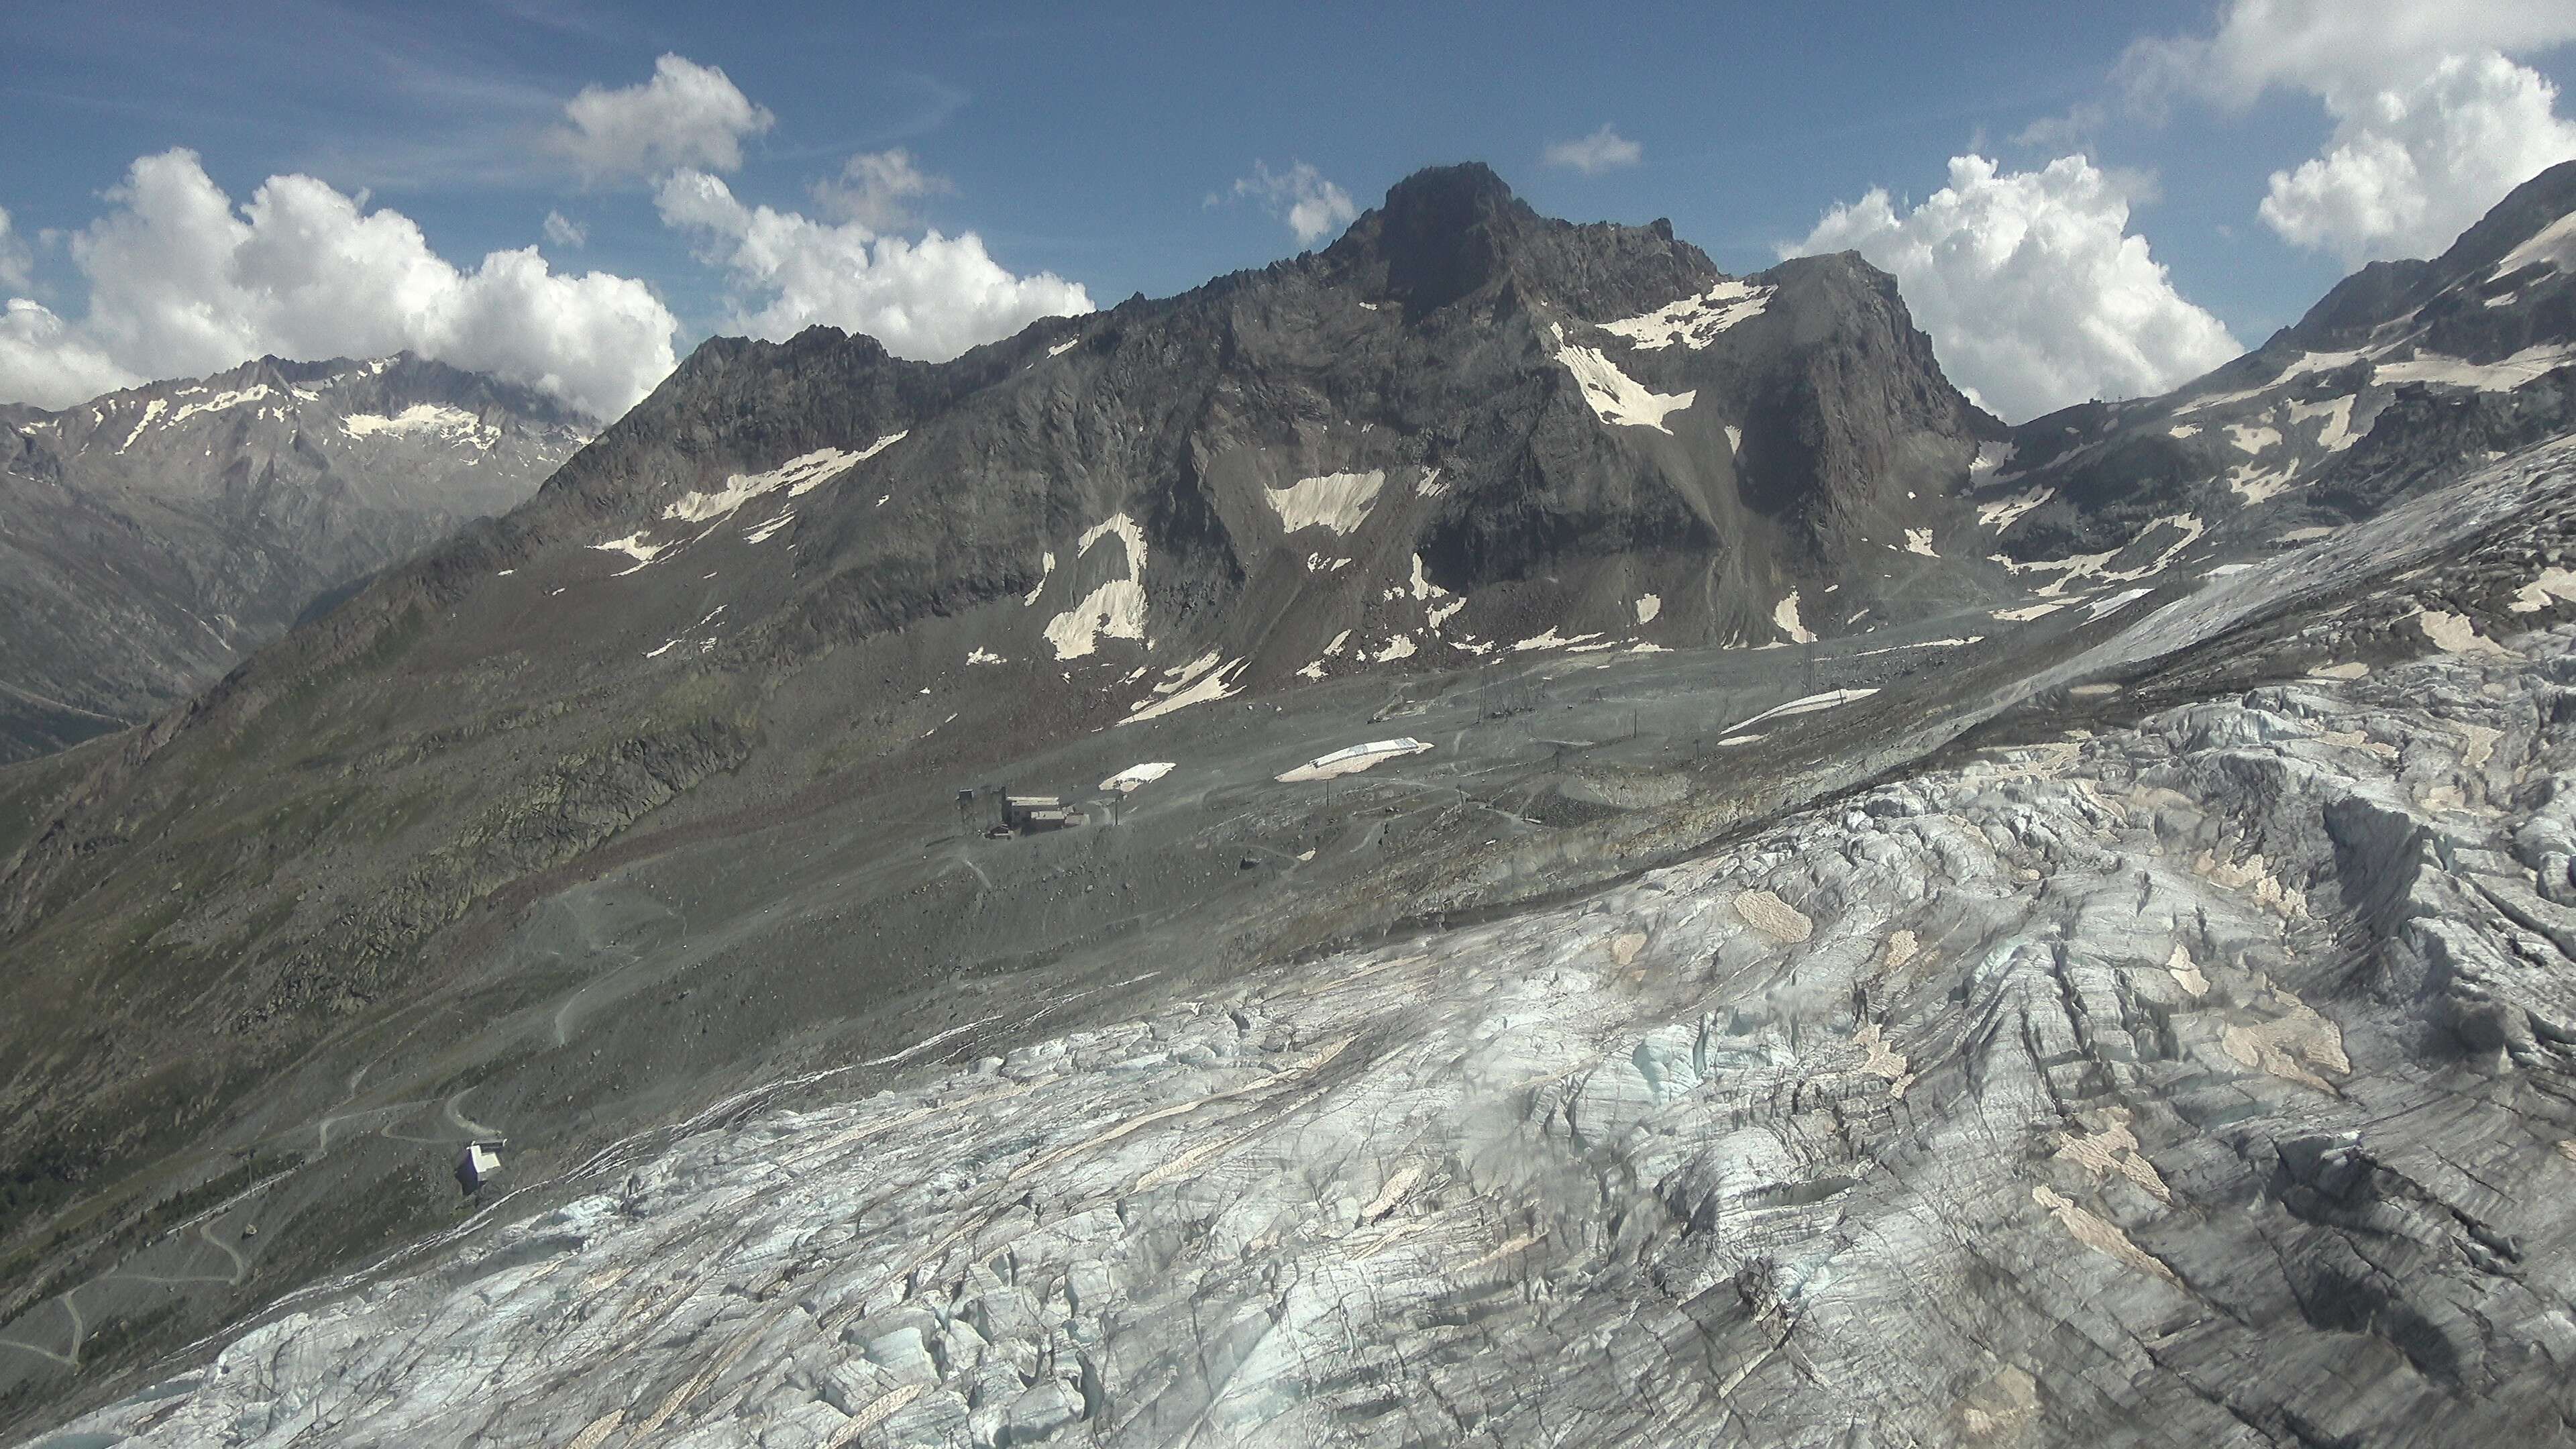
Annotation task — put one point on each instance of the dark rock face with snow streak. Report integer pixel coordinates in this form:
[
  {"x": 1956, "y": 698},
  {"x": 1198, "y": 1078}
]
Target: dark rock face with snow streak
[
  {"x": 2103, "y": 981},
  {"x": 159, "y": 535}
]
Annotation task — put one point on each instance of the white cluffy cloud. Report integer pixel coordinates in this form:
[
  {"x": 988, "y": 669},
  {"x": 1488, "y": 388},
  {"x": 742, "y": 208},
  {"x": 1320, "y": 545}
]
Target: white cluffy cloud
[
  {"x": 182, "y": 282},
  {"x": 687, "y": 115},
  {"x": 2343, "y": 45},
  {"x": 2033, "y": 290},
  {"x": 1603, "y": 150},
  {"x": 929, "y": 299},
  {"x": 2434, "y": 122},
  {"x": 880, "y": 190},
  {"x": 2411, "y": 167},
  {"x": 1312, "y": 206}
]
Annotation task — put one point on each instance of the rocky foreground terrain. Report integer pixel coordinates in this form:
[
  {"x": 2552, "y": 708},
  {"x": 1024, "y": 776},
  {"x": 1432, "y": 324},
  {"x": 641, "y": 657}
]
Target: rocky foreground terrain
[
  {"x": 158, "y": 535},
  {"x": 1648, "y": 874}
]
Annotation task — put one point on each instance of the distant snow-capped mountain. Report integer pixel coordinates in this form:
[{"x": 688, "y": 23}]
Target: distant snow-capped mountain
[{"x": 154, "y": 536}]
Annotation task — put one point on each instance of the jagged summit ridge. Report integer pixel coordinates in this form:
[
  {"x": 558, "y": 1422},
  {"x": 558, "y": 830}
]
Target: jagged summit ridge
[{"x": 1451, "y": 232}]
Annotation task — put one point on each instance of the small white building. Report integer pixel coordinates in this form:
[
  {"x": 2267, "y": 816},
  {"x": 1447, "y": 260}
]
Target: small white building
[{"x": 476, "y": 1164}]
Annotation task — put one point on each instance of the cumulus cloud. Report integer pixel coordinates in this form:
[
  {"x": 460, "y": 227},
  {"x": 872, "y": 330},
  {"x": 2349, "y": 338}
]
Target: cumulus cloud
[
  {"x": 563, "y": 231},
  {"x": 2033, "y": 290},
  {"x": 2412, "y": 166},
  {"x": 1312, "y": 206},
  {"x": 687, "y": 115},
  {"x": 45, "y": 362},
  {"x": 1603, "y": 150},
  {"x": 929, "y": 299},
  {"x": 182, "y": 282},
  {"x": 2335, "y": 46},
  {"x": 2434, "y": 122},
  {"x": 880, "y": 190}
]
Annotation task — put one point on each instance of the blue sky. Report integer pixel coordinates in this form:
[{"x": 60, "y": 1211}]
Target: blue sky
[{"x": 1087, "y": 142}]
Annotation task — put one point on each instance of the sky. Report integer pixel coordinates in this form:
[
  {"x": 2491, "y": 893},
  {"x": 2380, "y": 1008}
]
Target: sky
[{"x": 2077, "y": 200}]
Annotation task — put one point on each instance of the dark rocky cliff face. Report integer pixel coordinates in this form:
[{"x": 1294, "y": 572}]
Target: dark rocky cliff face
[{"x": 161, "y": 534}]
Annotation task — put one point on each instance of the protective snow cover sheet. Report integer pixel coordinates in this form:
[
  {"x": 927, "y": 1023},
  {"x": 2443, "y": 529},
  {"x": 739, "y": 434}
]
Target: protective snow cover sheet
[
  {"x": 2179, "y": 1084},
  {"x": 1135, "y": 777},
  {"x": 1353, "y": 760}
]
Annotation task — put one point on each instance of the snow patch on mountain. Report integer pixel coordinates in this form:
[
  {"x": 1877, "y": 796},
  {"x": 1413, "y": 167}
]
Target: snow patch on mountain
[
  {"x": 1694, "y": 322},
  {"x": 2004, "y": 513},
  {"x": 2504, "y": 376},
  {"x": 1784, "y": 617},
  {"x": 1338, "y": 501},
  {"x": 153, "y": 409},
  {"x": 1208, "y": 689},
  {"x": 1115, "y": 609},
  {"x": 799, "y": 475},
  {"x": 634, "y": 547},
  {"x": 2554, "y": 245},
  {"x": 2337, "y": 433},
  {"x": 1615, "y": 396},
  {"x": 418, "y": 418},
  {"x": 221, "y": 401}
]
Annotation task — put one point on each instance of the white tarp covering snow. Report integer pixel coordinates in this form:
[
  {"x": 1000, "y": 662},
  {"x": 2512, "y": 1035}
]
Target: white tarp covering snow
[
  {"x": 1135, "y": 777},
  {"x": 1808, "y": 705},
  {"x": 1354, "y": 759}
]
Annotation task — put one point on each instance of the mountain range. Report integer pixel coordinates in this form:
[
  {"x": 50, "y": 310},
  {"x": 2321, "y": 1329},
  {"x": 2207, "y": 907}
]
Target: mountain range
[
  {"x": 160, "y": 534},
  {"x": 1620, "y": 809}
]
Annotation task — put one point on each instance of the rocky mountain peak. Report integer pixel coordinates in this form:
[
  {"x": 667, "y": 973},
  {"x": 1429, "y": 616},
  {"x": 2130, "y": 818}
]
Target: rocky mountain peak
[{"x": 1443, "y": 233}]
